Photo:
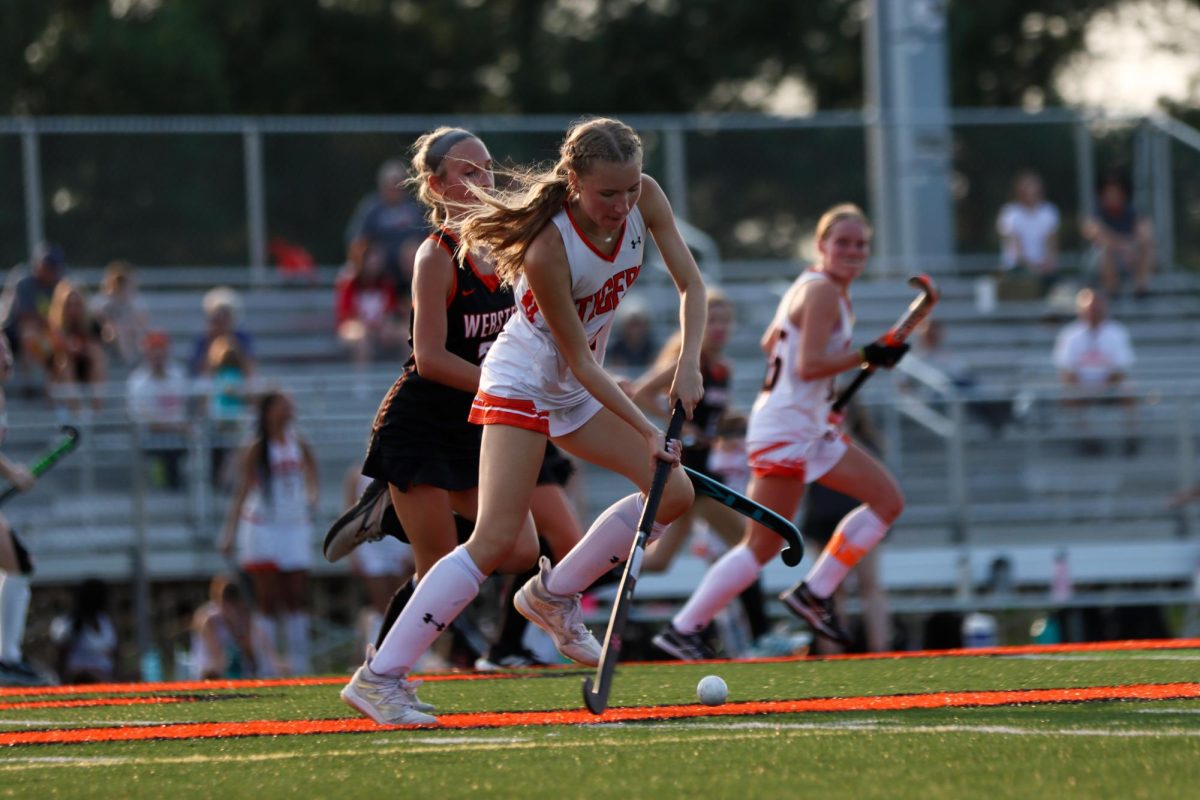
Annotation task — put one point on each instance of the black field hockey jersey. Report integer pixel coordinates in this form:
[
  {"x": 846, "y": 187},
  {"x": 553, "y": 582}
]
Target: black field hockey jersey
[{"x": 477, "y": 310}]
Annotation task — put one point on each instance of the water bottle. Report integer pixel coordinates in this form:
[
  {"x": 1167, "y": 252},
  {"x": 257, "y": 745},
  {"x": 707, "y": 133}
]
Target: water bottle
[
  {"x": 980, "y": 630},
  {"x": 152, "y": 667}
]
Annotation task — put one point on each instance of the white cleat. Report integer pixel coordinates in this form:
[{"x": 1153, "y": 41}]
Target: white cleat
[
  {"x": 559, "y": 616},
  {"x": 387, "y": 699}
]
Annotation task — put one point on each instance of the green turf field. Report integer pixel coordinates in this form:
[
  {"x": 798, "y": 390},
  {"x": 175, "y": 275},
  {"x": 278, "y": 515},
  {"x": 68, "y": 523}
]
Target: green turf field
[{"x": 1022, "y": 724}]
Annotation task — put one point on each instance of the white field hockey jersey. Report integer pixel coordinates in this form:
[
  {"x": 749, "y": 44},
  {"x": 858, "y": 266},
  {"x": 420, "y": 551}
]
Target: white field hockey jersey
[
  {"x": 288, "y": 502},
  {"x": 525, "y": 357},
  {"x": 789, "y": 409}
]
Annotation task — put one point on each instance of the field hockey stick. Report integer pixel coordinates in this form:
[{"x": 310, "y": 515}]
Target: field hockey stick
[
  {"x": 65, "y": 445},
  {"x": 913, "y": 316},
  {"x": 595, "y": 696},
  {"x": 792, "y": 554}
]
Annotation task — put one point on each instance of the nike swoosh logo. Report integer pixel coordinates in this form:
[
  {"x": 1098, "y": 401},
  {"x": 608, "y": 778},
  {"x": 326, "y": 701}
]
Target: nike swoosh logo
[{"x": 467, "y": 292}]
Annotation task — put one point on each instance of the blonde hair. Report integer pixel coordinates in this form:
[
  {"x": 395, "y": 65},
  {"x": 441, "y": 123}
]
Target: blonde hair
[
  {"x": 838, "y": 213},
  {"x": 506, "y": 222},
  {"x": 56, "y": 314},
  {"x": 429, "y": 159}
]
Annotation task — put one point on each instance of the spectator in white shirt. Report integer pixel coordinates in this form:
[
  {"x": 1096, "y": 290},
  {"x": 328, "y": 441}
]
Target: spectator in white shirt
[
  {"x": 1028, "y": 228},
  {"x": 157, "y": 393},
  {"x": 1093, "y": 355}
]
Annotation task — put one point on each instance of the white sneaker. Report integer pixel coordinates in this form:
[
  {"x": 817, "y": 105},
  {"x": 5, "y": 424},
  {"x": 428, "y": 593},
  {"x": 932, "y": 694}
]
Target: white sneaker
[
  {"x": 559, "y": 616},
  {"x": 387, "y": 699},
  {"x": 418, "y": 704}
]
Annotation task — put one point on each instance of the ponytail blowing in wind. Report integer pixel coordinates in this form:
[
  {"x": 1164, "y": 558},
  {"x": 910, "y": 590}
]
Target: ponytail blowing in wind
[{"x": 508, "y": 221}]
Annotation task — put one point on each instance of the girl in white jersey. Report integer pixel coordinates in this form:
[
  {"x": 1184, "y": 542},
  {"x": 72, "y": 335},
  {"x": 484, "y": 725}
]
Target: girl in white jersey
[
  {"x": 571, "y": 243},
  {"x": 271, "y": 515},
  {"x": 791, "y": 442}
]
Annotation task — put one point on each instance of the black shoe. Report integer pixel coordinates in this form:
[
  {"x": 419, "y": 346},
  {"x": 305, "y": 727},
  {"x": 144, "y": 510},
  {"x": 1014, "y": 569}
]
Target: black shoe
[
  {"x": 19, "y": 673},
  {"x": 683, "y": 646},
  {"x": 359, "y": 523},
  {"x": 817, "y": 612}
]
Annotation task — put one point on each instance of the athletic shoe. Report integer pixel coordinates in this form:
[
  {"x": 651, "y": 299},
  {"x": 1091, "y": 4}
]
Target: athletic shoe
[
  {"x": 359, "y": 523},
  {"x": 20, "y": 673},
  {"x": 816, "y": 611},
  {"x": 559, "y": 616},
  {"x": 428, "y": 708},
  {"x": 683, "y": 646},
  {"x": 387, "y": 699},
  {"x": 497, "y": 662}
]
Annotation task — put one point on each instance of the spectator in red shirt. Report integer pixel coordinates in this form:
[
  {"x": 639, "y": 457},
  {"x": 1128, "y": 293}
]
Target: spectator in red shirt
[{"x": 367, "y": 307}]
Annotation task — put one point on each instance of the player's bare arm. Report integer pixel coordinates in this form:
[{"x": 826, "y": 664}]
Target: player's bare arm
[
  {"x": 815, "y": 309},
  {"x": 688, "y": 385},
  {"x": 433, "y": 287}
]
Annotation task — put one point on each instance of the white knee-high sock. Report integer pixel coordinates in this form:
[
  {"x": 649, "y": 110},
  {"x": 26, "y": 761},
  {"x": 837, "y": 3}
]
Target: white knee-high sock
[
  {"x": 441, "y": 596},
  {"x": 14, "y": 605},
  {"x": 855, "y": 535},
  {"x": 725, "y": 580},
  {"x": 606, "y": 544},
  {"x": 270, "y": 634},
  {"x": 299, "y": 652}
]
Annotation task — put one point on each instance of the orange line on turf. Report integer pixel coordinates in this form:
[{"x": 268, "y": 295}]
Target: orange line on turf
[
  {"x": 268, "y": 683},
  {"x": 97, "y": 701},
  {"x": 903, "y": 702}
]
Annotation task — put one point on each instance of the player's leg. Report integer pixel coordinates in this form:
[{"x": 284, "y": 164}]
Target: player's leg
[
  {"x": 509, "y": 463},
  {"x": 268, "y": 602},
  {"x": 14, "y": 607},
  {"x": 727, "y": 524},
  {"x": 294, "y": 588},
  {"x": 735, "y": 571},
  {"x": 860, "y": 475},
  {"x": 661, "y": 553}
]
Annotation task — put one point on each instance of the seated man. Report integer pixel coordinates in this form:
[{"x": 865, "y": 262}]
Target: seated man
[{"x": 1122, "y": 238}]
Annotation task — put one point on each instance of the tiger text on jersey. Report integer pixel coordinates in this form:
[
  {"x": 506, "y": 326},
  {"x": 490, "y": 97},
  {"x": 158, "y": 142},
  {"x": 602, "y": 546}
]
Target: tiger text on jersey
[{"x": 609, "y": 296}]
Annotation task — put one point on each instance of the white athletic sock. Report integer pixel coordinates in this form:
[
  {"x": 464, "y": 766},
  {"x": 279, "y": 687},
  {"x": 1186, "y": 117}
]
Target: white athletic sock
[
  {"x": 606, "y": 544},
  {"x": 299, "y": 652},
  {"x": 440, "y": 597},
  {"x": 855, "y": 535},
  {"x": 725, "y": 580},
  {"x": 270, "y": 634},
  {"x": 14, "y": 605}
]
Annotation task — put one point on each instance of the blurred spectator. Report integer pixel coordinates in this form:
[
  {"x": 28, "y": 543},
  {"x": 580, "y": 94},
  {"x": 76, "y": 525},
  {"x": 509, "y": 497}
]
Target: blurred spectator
[
  {"x": 388, "y": 217},
  {"x": 121, "y": 313},
  {"x": 366, "y": 308},
  {"x": 228, "y": 385},
  {"x": 77, "y": 353},
  {"x": 26, "y": 303},
  {"x": 222, "y": 309},
  {"x": 85, "y": 638},
  {"x": 292, "y": 259},
  {"x": 1093, "y": 355},
  {"x": 930, "y": 347},
  {"x": 227, "y": 642},
  {"x": 1122, "y": 239},
  {"x": 1028, "y": 227},
  {"x": 632, "y": 345},
  {"x": 157, "y": 394}
]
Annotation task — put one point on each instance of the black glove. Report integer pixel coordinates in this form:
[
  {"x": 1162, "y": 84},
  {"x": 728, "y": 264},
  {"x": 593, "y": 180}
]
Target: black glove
[{"x": 878, "y": 354}]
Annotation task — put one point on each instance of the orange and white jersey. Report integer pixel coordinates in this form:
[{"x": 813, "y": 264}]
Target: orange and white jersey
[
  {"x": 288, "y": 501},
  {"x": 789, "y": 409},
  {"x": 525, "y": 362}
]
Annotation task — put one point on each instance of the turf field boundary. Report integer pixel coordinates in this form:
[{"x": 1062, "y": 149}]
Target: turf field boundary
[{"x": 900, "y": 702}]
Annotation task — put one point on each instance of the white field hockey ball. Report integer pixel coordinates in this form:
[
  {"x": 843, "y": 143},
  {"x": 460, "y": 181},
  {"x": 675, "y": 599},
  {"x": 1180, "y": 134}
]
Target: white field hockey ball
[{"x": 712, "y": 691}]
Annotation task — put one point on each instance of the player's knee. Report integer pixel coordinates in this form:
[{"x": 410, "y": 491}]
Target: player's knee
[
  {"x": 677, "y": 498},
  {"x": 889, "y": 506}
]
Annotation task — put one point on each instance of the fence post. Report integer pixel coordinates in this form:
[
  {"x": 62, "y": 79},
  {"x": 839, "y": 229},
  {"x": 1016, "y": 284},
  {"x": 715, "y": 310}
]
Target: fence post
[
  {"x": 956, "y": 465},
  {"x": 31, "y": 168},
  {"x": 1187, "y": 460},
  {"x": 256, "y": 204},
  {"x": 141, "y": 577},
  {"x": 1162, "y": 213},
  {"x": 675, "y": 166},
  {"x": 1085, "y": 168}
]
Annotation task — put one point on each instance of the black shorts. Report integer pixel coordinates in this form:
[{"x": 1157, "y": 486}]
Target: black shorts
[
  {"x": 556, "y": 469},
  {"x": 823, "y": 510},
  {"x": 421, "y": 437}
]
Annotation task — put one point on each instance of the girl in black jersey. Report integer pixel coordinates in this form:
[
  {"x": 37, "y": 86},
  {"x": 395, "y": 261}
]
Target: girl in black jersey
[{"x": 421, "y": 442}]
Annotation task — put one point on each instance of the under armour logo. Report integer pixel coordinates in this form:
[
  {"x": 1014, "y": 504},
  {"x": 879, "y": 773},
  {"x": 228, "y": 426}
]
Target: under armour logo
[
  {"x": 429, "y": 620},
  {"x": 633, "y": 243}
]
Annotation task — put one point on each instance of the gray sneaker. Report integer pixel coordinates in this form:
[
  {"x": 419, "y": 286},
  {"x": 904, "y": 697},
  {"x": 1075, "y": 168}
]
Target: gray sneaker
[
  {"x": 558, "y": 616},
  {"x": 362, "y": 522},
  {"x": 387, "y": 699},
  {"x": 418, "y": 704}
]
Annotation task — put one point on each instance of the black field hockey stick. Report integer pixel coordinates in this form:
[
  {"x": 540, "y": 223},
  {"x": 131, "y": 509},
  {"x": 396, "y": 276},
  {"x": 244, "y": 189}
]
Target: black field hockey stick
[
  {"x": 595, "y": 696},
  {"x": 913, "y": 316},
  {"x": 68, "y": 442},
  {"x": 792, "y": 554}
]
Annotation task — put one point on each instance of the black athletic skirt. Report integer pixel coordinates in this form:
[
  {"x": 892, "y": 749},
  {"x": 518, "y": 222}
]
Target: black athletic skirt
[{"x": 421, "y": 437}]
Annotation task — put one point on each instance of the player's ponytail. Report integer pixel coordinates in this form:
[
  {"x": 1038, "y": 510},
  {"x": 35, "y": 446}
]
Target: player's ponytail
[{"x": 506, "y": 222}]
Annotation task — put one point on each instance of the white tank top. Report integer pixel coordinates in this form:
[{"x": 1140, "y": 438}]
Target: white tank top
[
  {"x": 288, "y": 501},
  {"x": 525, "y": 354},
  {"x": 787, "y": 408}
]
